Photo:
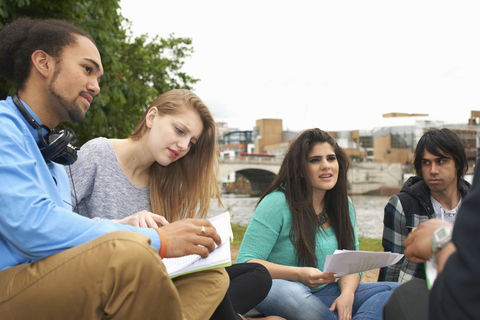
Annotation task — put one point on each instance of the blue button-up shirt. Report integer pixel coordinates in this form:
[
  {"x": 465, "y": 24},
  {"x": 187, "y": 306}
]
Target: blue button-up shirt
[{"x": 36, "y": 219}]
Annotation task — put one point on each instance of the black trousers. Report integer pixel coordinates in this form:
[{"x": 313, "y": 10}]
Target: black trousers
[
  {"x": 408, "y": 302},
  {"x": 249, "y": 285}
]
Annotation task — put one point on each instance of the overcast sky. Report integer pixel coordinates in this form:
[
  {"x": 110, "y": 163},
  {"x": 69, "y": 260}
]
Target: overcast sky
[{"x": 336, "y": 65}]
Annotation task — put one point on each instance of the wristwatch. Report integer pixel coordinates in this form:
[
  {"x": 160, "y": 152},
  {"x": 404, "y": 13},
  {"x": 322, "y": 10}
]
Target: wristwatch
[{"x": 441, "y": 237}]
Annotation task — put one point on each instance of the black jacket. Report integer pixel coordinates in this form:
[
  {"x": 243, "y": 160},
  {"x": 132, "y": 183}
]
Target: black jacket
[
  {"x": 415, "y": 196},
  {"x": 404, "y": 211},
  {"x": 455, "y": 294}
]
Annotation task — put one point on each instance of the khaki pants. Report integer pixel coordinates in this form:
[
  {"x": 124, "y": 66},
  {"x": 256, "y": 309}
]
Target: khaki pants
[{"x": 116, "y": 276}]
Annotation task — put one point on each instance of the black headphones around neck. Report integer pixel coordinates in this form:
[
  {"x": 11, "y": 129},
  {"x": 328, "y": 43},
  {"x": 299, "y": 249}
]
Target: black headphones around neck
[{"x": 55, "y": 145}]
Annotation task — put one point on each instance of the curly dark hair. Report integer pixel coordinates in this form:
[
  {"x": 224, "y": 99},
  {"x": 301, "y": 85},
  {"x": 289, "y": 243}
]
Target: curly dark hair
[
  {"x": 294, "y": 181},
  {"x": 22, "y": 37}
]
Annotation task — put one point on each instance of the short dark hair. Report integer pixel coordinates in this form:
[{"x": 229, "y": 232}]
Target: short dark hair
[
  {"x": 440, "y": 142},
  {"x": 22, "y": 37}
]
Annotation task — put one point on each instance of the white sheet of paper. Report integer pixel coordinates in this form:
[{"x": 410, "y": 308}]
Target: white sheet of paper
[
  {"x": 431, "y": 272},
  {"x": 220, "y": 255},
  {"x": 183, "y": 264},
  {"x": 221, "y": 222},
  {"x": 175, "y": 264},
  {"x": 344, "y": 262}
]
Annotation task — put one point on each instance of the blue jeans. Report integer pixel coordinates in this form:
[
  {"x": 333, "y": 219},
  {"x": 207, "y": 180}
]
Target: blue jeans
[{"x": 293, "y": 300}]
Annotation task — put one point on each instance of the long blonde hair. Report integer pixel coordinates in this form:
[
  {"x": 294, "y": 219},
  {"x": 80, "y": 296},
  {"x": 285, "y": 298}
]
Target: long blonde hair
[{"x": 184, "y": 188}]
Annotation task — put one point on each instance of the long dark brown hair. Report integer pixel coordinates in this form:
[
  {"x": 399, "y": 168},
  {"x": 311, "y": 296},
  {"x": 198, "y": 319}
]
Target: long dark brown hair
[{"x": 294, "y": 181}]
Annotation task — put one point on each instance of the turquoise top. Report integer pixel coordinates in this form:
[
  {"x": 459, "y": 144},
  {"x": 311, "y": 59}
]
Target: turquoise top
[{"x": 268, "y": 235}]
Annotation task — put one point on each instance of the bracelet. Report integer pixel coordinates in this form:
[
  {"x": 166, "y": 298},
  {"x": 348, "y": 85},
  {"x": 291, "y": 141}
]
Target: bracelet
[{"x": 163, "y": 244}]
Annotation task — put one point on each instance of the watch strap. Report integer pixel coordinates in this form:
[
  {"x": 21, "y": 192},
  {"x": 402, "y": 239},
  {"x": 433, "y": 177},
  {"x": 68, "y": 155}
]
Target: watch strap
[{"x": 440, "y": 239}]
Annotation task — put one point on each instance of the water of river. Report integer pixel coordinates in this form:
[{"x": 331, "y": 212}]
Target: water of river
[{"x": 368, "y": 209}]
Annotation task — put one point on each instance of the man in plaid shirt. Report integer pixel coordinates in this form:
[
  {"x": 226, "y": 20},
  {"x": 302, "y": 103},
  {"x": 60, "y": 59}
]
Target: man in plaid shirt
[{"x": 436, "y": 192}]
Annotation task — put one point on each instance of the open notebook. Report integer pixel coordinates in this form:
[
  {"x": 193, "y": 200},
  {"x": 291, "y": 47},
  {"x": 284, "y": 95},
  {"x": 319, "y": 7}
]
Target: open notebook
[{"x": 220, "y": 257}]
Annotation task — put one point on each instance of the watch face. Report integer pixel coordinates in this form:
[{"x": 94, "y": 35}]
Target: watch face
[
  {"x": 441, "y": 233},
  {"x": 441, "y": 237}
]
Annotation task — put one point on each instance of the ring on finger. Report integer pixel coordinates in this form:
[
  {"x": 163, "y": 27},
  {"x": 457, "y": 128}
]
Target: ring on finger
[
  {"x": 413, "y": 230},
  {"x": 203, "y": 231}
]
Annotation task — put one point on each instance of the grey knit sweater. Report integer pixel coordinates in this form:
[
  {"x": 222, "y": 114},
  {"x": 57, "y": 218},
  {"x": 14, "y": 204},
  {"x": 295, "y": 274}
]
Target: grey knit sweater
[{"x": 99, "y": 186}]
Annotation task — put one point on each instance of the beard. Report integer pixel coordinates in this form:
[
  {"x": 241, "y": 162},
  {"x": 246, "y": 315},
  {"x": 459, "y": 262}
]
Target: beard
[{"x": 75, "y": 113}]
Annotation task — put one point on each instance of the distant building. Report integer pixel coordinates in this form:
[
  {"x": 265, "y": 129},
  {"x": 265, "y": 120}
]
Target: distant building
[
  {"x": 357, "y": 144},
  {"x": 388, "y": 144},
  {"x": 270, "y": 137},
  {"x": 221, "y": 131},
  {"x": 236, "y": 142}
]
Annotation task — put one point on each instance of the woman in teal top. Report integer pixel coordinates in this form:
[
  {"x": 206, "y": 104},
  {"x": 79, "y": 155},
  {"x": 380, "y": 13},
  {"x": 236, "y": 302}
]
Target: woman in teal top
[{"x": 304, "y": 216}]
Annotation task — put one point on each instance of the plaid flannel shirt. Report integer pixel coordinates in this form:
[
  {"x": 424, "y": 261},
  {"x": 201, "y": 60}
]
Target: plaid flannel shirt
[{"x": 403, "y": 212}]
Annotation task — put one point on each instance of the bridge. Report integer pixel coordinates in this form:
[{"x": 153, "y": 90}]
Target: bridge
[
  {"x": 260, "y": 173},
  {"x": 363, "y": 177}
]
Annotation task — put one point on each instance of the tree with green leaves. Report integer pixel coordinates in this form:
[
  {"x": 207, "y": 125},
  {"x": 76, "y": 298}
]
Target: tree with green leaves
[{"x": 137, "y": 69}]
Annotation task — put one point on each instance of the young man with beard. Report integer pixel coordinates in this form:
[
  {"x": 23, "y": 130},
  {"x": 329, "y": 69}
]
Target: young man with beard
[
  {"x": 437, "y": 192},
  {"x": 55, "y": 264}
]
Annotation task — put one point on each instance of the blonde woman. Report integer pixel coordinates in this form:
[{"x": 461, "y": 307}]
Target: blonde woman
[{"x": 165, "y": 170}]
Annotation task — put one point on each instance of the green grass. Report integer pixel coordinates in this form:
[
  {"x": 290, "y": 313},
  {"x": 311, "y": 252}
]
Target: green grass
[
  {"x": 238, "y": 233},
  {"x": 366, "y": 244}
]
